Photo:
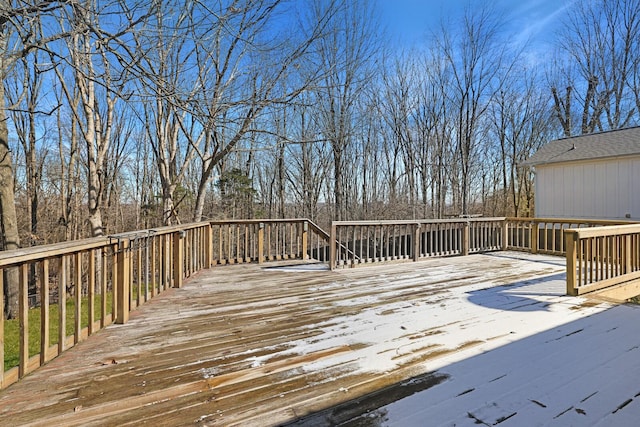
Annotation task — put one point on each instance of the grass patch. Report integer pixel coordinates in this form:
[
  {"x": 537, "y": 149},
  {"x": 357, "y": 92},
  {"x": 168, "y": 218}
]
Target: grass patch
[{"x": 12, "y": 327}]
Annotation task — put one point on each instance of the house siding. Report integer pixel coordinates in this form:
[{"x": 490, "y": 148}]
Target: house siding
[{"x": 598, "y": 189}]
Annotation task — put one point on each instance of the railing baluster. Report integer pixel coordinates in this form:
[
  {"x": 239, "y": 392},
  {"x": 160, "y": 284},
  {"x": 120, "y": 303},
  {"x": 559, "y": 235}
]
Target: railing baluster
[
  {"x": 139, "y": 297},
  {"x": 45, "y": 340},
  {"x": 77, "y": 287},
  {"x": 353, "y": 246},
  {"x": 2, "y": 355},
  {"x": 62, "y": 304},
  {"x": 91, "y": 290},
  {"x": 247, "y": 255},
  {"x": 23, "y": 308},
  {"x": 154, "y": 252},
  {"x": 229, "y": 252},
  {"x": 291, "y": 241},
  {"x": 238, "y": 255},
  {"x": 103, "y": 287},
  {"x": 361, "y": 242},
  {"x": 121, "y": 285}
]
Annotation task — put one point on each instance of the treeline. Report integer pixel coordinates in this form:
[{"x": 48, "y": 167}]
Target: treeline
[{"x": 129, "y": 114}]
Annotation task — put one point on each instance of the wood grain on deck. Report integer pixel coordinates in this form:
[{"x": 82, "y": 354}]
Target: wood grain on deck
[{"x": 479, "y": 339}]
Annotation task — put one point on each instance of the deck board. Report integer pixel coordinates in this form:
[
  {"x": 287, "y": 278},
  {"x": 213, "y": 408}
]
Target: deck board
[{"x": 455, "y": 341}]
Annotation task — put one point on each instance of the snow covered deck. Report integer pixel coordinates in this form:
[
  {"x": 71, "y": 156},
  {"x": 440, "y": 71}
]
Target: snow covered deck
[{"x": 477, "y": 340}]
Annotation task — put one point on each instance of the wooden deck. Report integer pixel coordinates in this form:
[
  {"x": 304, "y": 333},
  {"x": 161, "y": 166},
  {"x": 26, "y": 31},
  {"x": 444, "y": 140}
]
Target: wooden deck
[{"x": 484, "y": 339}]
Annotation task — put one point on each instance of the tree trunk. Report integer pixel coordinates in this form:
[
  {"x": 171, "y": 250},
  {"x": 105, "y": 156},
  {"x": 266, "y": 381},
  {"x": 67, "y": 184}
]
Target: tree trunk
[
  {"x": 8, "y": 218},
  {"x": 203, "y": 184},
  {"x": 338, "y": 187},
  {"x": 281, "y": 179},
  {"x": 168, "y": 207},
  {"x": 93, "y": 202}
]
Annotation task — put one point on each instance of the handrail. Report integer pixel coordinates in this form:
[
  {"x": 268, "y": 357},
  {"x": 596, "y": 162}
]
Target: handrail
[
  {"x": 17, "y": 256},
  {"x": 418, "y": 221},
  {"x": 318, "y": 230},
  {"x": 591, "y": 221},
  {"x": 609, "y": 230}
]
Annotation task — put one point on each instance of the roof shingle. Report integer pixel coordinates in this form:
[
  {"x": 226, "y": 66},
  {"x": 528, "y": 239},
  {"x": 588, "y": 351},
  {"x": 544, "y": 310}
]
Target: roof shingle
[{"x": 614, "y": 143}]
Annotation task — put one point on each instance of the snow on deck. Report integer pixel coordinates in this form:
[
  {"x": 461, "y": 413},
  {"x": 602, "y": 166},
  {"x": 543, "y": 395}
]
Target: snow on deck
[{"x": 478, "y": 340}]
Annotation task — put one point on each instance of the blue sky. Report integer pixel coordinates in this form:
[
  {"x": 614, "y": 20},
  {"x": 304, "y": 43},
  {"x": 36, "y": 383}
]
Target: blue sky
[{"x": 411, "y": 20}]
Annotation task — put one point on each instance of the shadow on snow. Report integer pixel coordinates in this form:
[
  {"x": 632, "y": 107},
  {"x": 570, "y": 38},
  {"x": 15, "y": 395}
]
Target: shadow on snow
[{"x": 583, "y": 372}]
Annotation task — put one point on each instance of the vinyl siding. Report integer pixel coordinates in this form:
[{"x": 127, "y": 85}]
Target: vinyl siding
[{"x": 606, "y": 189}]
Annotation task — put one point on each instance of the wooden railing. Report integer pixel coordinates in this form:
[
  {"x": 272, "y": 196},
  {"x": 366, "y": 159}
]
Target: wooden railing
[
  {"x": 365, "y": 242},
  {"x": 602, "y": 257},
  {"x": 546, "y": 235},
  {"x": 241, "y": 241},
  {"x": 68, "y": 291},
  {"x": 604, "y": 252}
]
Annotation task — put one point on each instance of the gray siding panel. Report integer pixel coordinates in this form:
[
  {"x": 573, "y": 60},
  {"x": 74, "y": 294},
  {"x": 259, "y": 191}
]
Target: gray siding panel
[{"x": 607, "y": 189}]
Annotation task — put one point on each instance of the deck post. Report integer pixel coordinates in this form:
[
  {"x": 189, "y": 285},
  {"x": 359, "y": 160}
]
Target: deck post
[
  {"x": 332, "y": 247},
  {"x": 627, "y": 254},
  {"x": 505, "y": 235},
  {"x": 305, "y": 240},
  {"x": 261, "y": 243},
  {"x": 416, "y": 241},
  {"x": 571, "y": 240},
  {"x": 208, "y": 253},
  {"x": 123, "y": 259},
  {"x": 465, "y": 239},
  {"x": 162, "y": 257},
  {"x": 168, "y": 242},
  {"x": 534, "y": 237},
  {"x": 178, "y": 258}
]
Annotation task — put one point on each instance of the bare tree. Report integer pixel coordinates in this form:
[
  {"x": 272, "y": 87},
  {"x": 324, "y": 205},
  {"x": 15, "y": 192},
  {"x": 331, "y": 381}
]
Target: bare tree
[
  {"x": 521, "y": 124},
  {"x": 212, "y": 74},
  {"x": 66, "y": 173},
  {"x": 91, "y": 78},
  {"x": 9, "y": 221},
  {"x": 24, "y": 94},
  {"x": 436, "y": 124},
  {"x": 477, "y": 60},
  {"x": 346, "y": 58},
  {"x": 293, "y": 165},
  {"x": 369, "y": 164},
  {"x": 428, "y": 117},
  {"x": 601, "y": 40},
  {"x": 18, "y": 36},
  {"x": 145, "y": 189},
  {"x": 397, "y": 104}
]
